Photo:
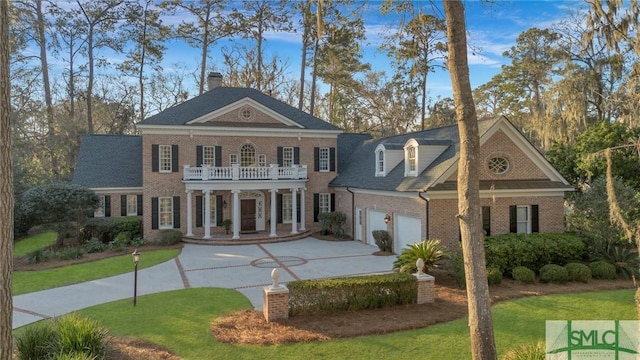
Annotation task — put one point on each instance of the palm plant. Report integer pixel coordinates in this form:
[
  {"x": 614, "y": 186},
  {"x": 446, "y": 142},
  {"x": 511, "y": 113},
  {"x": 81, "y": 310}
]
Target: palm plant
[{"x": 430, "y": 251}]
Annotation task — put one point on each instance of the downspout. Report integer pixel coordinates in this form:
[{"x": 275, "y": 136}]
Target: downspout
[
  {"x": 353, "y": 213},
  {"x": 426, "y": 210}
]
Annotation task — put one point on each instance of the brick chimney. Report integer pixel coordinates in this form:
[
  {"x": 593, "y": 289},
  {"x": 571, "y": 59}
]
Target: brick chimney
[{"x": 214, "y": 80}]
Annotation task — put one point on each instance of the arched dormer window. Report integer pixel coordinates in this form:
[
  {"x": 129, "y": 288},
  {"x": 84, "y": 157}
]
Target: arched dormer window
[
  {"x": 380, "y": 161},
  {"x": 411, "y": 158},
  {"x": 380, "y": 165}
]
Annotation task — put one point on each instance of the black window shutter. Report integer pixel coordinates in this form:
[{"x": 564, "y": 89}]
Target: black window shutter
[
  {"x": 333, "y": 202},
  {"x": 486, "y": 220},
  {"x": 513, "y": 219},
  {"x": 316, "y": 159},
  {"x": 280, "y": 157},
  {"x": 199, "y": 217},
  {"x": 218, "y": 156},
  {"x": 279, "y": 209},
  {"x": 199, "y": 155},
  {"x": 316, "y": 207},
  {"x": 298, "y": 207},
  {"x": 219, "y": 210},
  {"x": 154, "y": 213},
  {"x": 123, "y": 205},
  {"x": 296, "y": 155},
  {"x": 107, "y": 205},
  {"x": 139, "y": 203},
  {"x": 176, "y": 212},
  {"x": 535, "y": 226},
  {"x": 155, "y": 158},
  {"x": 174, "y": 158},
  {"x": 332, "y": 159}
]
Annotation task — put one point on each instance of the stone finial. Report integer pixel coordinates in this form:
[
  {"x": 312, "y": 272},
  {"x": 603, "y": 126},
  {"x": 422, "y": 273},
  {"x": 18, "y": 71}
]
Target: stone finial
[
  {"x": 420, "y": 265},
  {"x": 275, "y": 276}
]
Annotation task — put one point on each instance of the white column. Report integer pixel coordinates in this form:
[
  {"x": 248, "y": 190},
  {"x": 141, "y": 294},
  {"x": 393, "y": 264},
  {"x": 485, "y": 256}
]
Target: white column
[
  {"x": 302, "y": 210},
  {"x": 207, "y": 214},
  {"x": 189, "y": 214},
  {"x": 294, "y": 211},
  {"x": 273, "y": 213},
  {"x": 236, "y": 214}
]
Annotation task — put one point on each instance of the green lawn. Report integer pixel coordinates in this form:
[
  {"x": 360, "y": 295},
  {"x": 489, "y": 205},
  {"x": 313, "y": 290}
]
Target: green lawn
[
  {"x": 179, "y": 320},
  {"x": 33, "y": 243}
]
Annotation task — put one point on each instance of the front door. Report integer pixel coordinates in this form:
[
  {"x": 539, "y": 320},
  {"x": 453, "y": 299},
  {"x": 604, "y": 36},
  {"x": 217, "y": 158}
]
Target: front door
[{"x": 248, "y": 215}]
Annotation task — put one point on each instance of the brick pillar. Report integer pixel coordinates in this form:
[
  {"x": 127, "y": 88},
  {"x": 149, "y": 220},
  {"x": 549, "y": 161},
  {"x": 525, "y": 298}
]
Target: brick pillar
[
  {"x": 426, "y": 288},
  {"x": 275, "y": 303}
]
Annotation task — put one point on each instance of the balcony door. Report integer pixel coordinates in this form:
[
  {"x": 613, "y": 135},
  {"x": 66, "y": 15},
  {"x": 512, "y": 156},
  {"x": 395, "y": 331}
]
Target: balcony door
[{"x": 248, "y": 215}]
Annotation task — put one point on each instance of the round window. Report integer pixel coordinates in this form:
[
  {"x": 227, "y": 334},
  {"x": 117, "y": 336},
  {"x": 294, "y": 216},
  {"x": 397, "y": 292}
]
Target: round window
[
  {"x": 498, "y": 165},
  {"x": 246, "y": 114}
]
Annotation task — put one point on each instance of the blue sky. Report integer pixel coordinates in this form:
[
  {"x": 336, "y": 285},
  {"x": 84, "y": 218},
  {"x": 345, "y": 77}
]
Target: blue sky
[{"x": 492, "y": 29}]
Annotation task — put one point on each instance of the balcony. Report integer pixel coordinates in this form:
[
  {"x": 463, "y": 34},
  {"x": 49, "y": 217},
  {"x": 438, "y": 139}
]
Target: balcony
[{"x": 237, "y": 172}]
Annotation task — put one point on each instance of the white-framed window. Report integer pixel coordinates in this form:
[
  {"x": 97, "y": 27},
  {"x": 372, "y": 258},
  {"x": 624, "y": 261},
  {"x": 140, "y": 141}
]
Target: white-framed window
[
  {"x": 164, "y": 158},
  {"x": 132, "y": 205},
  {"x": 100, "y": 211},
  {"x": 411, "y": 158},
  {"x": 213, "y": 208},
  {"x": 233, "y": 159},
  {"x": 165, "y": 212},
  {"x": 523, "y": 219},
  {"x": 262, "y": 160},
  {"x": 287, "y": 208},
  {"x": 498, "y": 165},
  {"x": 323, "y": 159},
  {"x": 287, "y": 156},
  {"x": 208, "y": 155},
  {"x": 324, "y": 203},
  {"x": 247, "y": 155},
  {"x": 380, "y": 162}
]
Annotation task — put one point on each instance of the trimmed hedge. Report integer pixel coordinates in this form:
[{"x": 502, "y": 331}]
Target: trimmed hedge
[
  {"x": 523, "y": 275},
  {"x": 603, "y": 270},
  {"x": 552, "y": 273},
  {"x": 532, "y": 250},
  {"x": 107, "y": 228},
  {"x": 578, "y": 272},
  {"x": 169, "y": 237},
  {"x": 350, "y": 294},
  {"x": 494, "y": 275}
]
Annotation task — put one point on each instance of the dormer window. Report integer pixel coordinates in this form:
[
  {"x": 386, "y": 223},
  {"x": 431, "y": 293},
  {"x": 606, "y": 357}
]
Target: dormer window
[
  {"x": 411, "y": 158},
  {"x": 380, "y": 163}
]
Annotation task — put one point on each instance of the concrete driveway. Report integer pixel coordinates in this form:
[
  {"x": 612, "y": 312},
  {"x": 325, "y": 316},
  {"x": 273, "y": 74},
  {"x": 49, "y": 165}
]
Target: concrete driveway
[{"x": 245, "y": 268}]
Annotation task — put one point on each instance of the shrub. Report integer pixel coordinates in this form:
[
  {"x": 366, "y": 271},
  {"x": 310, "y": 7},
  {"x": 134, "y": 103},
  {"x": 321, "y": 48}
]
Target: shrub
[
  {"x": 523, "y": 275},
  {"x": 69, "y": 253},
  {"x": 95, "y": 246},
  {"x": 353, "y": 293},
  {"x": 36, "y": 342},
  {"x": 624, "y": 258},
  {"x": 603, "y": 270},
  {"x": 384, "y": 240},
  {"x": 457, "y": 264},
  {"x": 532, "y": 250},
  {"x": 138, "y": 241},
  {"x": 527, "y": 352},
  {"x": 332, "y": 223},
  {"x": 120, "y": 242},
  {"x": 106, "y": 228},
  {"x": 578, "y": 272},
  {"x": 132, "y": 225},
  {"x": 552, "y": 273},
  {"x": 169, "y": 237},
  {"x": 430, "y": 251},
  {"x": 40, "y": 255},
  {"x": 494, "y": 275}
]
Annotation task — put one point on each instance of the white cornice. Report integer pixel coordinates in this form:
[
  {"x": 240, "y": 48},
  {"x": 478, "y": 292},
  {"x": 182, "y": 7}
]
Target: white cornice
[
  {"x": 453, "y": 194},
  {"x": 119, "y": 190},
  {"x": 399, "y": 194},
  {"x": 198, "y": 130}
]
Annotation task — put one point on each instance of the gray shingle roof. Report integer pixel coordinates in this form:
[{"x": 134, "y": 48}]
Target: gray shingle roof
[
  {"x": 360, "y": 170},
  {"x": 347, "y": 143},
  {"x": 106, "y": 161},
  {"x": 222, "y": 96}
]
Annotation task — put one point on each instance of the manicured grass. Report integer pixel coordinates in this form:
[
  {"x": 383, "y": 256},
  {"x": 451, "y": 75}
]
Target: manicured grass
[
  {"x": 30, "y": 281},
  {"x": 180, "y": 321},
  {"x": 33, "y": 243}
]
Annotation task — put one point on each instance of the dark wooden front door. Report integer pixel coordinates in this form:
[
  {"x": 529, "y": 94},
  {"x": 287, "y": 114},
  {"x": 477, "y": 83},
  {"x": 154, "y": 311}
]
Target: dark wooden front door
[{"x": 248, "y": 215}]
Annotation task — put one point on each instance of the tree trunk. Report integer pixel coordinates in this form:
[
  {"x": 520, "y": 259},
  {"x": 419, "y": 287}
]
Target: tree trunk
[
  {"x": 470, "y": 216},
  {"x": 314, "y": 77},
  {"x": 6, "y": 192},
  {"x": 89, "y": 94}
]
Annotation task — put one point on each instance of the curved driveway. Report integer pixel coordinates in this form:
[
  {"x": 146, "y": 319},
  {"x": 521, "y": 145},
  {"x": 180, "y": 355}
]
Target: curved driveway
[{"x": 245, "y": 268}]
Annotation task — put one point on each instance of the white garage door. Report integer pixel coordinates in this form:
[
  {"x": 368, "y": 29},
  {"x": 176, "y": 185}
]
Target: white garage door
[
  {"x": 375, "y": 221},
  {"x": 408, "y": 230}
]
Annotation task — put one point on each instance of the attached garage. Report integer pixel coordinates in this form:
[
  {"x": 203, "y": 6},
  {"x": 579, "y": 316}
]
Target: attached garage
[{"x": 407, "y": 230}]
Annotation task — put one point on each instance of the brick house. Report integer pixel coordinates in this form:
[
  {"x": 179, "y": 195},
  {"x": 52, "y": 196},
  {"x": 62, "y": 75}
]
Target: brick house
[{"x": 238, "y": 154}]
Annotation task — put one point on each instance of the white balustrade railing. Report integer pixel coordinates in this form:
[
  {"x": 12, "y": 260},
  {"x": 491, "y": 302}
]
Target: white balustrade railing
[{"x": 237, "y": 172}]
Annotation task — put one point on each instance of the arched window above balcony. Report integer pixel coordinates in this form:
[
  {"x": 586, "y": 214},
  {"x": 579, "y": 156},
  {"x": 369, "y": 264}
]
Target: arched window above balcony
[{"x": 247, "y": 155}]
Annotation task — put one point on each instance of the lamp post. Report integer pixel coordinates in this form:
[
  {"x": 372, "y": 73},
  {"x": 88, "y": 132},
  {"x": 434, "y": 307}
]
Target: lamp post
[{"x": 136, "y": 259}]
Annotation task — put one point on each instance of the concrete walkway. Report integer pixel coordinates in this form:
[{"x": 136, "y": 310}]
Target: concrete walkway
[{"x": 245, "y": 268}]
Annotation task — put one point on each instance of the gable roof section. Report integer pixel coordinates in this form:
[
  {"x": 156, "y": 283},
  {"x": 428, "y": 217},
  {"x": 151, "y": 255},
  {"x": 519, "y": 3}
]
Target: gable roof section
[
  {"x": 360, "y": 171},
  {"x": 221, "y": 97},
  {"x": 109, "y": 161}
]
